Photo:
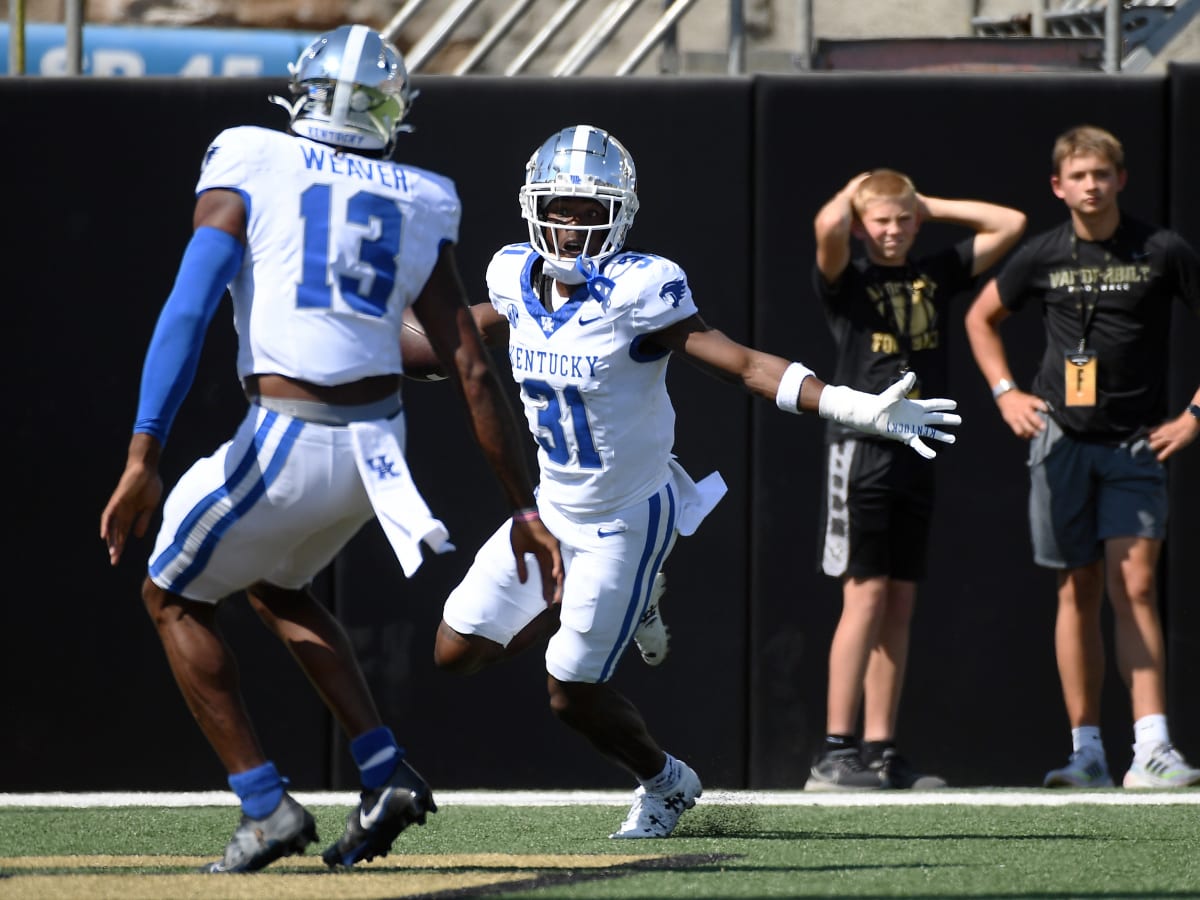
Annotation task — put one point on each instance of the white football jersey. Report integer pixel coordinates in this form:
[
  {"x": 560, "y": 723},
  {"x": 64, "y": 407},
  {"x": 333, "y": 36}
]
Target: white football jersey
[
  {"x": 597, "y": 405},
  {"x": 337, "y": 246}
]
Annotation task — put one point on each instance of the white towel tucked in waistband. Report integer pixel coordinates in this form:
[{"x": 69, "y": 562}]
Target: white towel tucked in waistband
[
  {"x": 401, "y": 509},
  {"x": 696, "y": 499}
]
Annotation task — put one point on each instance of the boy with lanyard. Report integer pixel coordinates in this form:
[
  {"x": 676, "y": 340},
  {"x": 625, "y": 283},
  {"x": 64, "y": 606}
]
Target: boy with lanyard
[{"x": 1096, "y": 419}]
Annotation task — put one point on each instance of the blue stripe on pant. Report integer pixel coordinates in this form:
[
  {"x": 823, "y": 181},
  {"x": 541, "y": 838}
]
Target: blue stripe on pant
[{"x": 658, "y": 541}]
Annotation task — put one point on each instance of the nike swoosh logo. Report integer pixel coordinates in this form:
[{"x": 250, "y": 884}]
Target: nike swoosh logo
[
  {"x": 583, "y": 322},
  {"x": 369, "y": 820},
  {"x": 600, "y": 532}
]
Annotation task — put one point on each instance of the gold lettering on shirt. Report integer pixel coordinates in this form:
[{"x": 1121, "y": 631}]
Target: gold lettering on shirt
[
  {"x": 1113, "y": 277},
  {"x": 912, "y": 310}
]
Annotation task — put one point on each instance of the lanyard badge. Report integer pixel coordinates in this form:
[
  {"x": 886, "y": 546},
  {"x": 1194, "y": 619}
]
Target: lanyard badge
[
  {"x": 1079, "y": 378},
  {"x": 1081, "y": 366}
]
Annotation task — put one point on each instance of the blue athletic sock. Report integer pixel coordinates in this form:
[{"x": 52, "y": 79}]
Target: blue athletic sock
[
  {"x": 377, "y": 754},
  {"x": 260, "y": 790}
]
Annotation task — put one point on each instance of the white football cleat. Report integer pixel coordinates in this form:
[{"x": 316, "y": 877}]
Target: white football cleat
[
  {"x": 652, "y": 639},
  {"x": 655, "y": 815}
]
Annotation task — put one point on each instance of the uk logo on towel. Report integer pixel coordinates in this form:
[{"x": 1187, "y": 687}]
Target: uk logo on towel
[{"x": 383, "y": 467}]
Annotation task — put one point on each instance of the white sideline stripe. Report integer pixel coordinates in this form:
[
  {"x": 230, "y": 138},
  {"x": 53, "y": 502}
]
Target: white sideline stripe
[{"x": 948, "y": 797}]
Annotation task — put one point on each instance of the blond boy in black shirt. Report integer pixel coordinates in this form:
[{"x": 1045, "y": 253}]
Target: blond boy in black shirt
[{"x": 888, "y": 313}]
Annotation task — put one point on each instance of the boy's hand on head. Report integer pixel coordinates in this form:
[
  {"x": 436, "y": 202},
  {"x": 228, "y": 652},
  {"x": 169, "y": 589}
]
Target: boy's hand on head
[
  {"x": 854, "y": 183},
  {"x": 922, "y": 209}
]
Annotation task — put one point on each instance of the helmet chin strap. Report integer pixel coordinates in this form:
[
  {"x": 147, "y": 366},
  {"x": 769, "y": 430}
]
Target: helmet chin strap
[
  {"x": 566, "y": 271},
  {"x": 598, "y": 286},
  {"x": 580, "y": 271}
]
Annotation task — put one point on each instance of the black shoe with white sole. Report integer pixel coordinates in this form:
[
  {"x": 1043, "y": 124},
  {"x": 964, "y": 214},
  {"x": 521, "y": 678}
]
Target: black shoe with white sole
[{"x": 381, "y": 814}]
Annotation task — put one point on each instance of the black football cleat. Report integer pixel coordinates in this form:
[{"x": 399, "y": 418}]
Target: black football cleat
[{"x": 382, "y": 813}]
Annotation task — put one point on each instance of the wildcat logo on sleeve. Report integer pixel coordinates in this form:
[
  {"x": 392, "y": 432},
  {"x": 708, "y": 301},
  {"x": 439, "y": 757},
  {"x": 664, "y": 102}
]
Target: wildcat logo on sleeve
[
  {"x": 1079, "y": 388},
  {"x": 673, "y": 292}
]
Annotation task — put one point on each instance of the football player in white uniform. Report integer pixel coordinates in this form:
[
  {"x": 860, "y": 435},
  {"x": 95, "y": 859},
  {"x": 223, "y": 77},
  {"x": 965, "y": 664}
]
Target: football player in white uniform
[
  {"x": 589, "y": 328},
  {"x": 323, "y": 242}
]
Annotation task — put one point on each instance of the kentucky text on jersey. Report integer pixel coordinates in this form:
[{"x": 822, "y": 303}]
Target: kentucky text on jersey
[
  {"x": 543, "y": 362},
  {"x": 386, "y": 174}
]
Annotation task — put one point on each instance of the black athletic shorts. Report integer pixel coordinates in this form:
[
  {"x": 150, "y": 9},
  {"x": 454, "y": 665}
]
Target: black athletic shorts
[{"x": 877, "y": 511}]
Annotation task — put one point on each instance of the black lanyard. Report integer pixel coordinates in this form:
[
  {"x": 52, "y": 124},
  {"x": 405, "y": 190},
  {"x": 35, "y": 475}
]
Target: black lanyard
[{"x": 1087, "y": 310}]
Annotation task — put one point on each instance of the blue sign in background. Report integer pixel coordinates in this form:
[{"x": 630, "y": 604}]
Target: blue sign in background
[{"x": 110, "y": 50}]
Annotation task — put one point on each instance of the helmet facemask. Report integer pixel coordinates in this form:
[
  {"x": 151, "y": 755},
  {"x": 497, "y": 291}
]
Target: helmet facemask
[
  {"x": 350, "y": 89},
  {"x": 585, "y": 162}
]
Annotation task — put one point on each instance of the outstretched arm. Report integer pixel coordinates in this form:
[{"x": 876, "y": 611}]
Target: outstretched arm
[
  {"x": 795, "y": 388},
  {"x": 449, "y": 326}
]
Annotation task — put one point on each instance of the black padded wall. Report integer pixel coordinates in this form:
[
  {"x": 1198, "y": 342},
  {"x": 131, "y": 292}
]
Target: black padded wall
[
  {"x": 103, "y": 180},
  {"x": 106, "y": 202},
  {"x": 732, "y": 172},
  {"x": 1182, "y": 614}
]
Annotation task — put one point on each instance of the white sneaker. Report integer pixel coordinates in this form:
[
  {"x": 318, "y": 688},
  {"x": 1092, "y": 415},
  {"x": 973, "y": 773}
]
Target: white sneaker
[
  {"x": 1085, "y": 769},
  {"x": 651, "y": 636},
  {"x": 1163, "y": 767},
  {"x": 655, "y": 815}
]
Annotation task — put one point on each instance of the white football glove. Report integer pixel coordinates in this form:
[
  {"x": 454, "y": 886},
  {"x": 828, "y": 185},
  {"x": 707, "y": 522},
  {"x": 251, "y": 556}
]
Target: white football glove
[{"x": 891, "y": 414}]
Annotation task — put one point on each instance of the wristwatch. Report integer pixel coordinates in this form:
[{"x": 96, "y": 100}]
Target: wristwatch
[
  {"x": 1194, "y": 409},
  {"x": 1003, "y": 386}
]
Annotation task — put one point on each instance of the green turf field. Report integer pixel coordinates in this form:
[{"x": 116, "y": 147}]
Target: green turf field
[{"x": 729, "y": 849}]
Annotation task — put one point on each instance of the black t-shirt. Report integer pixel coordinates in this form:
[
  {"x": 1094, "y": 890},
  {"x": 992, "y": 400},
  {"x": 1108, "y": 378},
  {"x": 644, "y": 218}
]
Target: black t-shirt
[
  {"x": 1116, "y": 296},
  {"x": 886, "y": 319}
]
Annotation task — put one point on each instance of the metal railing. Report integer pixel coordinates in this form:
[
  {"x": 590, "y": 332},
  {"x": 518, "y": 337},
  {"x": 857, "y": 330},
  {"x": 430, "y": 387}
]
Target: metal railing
[
  {"x": 594, "y": 39},
  {"x": 584, "y": 49},
  {"x": 1121, "y": 23},
  {"x": 1135, "y": 24}
]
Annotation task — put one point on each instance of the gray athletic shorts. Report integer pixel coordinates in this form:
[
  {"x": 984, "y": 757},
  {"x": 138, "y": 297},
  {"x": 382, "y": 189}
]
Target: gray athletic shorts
[{"x": 1081, "y": 494}]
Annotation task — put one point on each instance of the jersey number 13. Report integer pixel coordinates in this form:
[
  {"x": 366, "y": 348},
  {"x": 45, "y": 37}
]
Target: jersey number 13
[{"x": 364, "y": 279}]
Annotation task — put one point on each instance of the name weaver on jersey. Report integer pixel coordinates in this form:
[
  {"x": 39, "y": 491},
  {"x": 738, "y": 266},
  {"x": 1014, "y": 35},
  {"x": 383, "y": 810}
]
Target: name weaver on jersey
[
  {"x": 324, "y": 249},
  {"x": 382, "y": 172}
]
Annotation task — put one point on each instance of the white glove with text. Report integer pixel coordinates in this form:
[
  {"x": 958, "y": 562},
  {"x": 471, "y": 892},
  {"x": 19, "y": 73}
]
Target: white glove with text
[{"x": 891, "y": 414}]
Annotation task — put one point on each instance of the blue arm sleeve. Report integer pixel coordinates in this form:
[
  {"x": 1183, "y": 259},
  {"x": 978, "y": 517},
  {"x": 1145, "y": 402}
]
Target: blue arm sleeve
[{"x": 209, "y": 263}]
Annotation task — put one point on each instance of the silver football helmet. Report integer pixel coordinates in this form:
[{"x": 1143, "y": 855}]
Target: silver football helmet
[
  {"x": 580, "y": 161},
  {"x": 350, "y": 88}
]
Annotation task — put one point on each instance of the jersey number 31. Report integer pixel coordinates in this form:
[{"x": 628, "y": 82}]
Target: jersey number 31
[{"x": 551, "y": 425}]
